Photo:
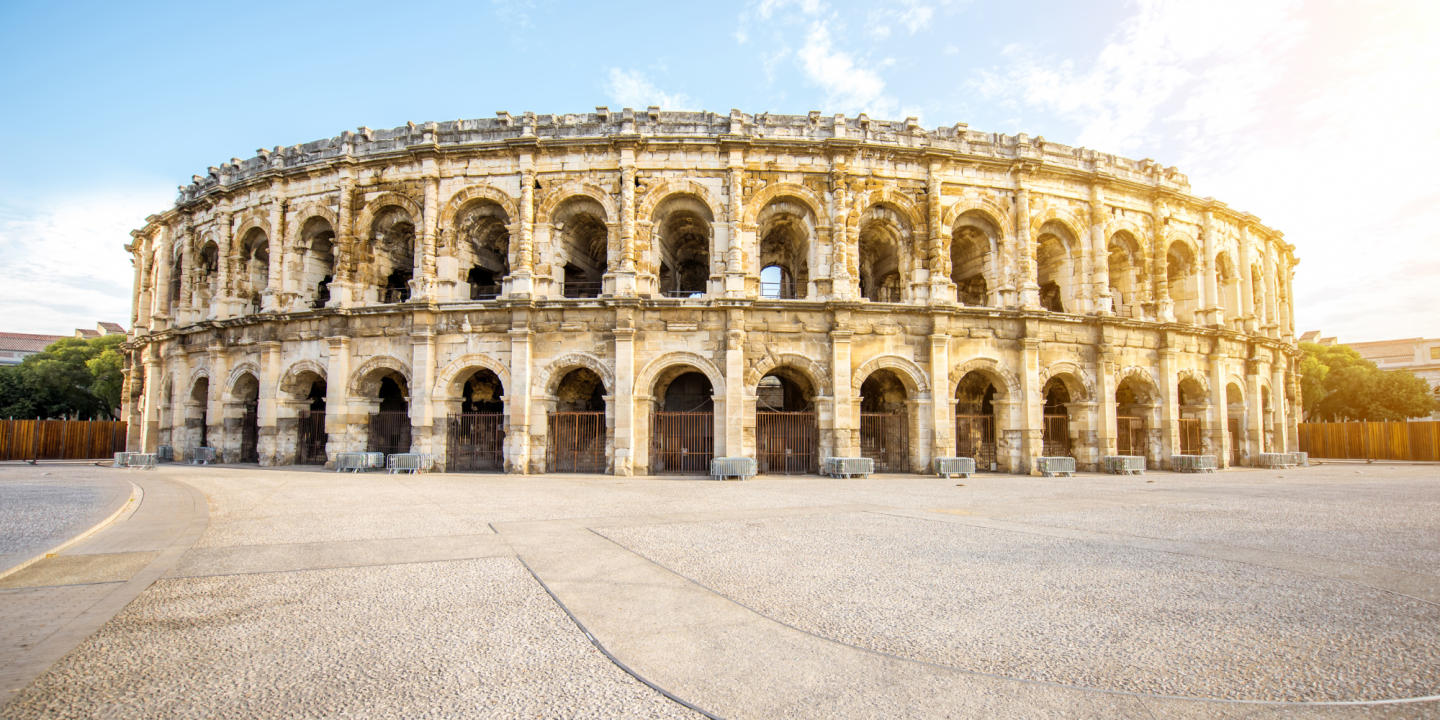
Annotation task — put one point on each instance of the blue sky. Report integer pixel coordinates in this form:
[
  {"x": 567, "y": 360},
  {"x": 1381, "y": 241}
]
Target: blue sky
[{"x": 1318, "y": 117}]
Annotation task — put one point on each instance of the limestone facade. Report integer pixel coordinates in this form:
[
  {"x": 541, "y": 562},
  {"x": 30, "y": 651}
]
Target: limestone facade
[{"x": 844, "y": 267}]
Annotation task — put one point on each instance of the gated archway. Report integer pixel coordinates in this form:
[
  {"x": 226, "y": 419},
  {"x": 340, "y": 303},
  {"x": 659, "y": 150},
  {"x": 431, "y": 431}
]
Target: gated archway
[
  {"x": 475, "y": 432},
  {"x": 310, "y": 436},
  {"x": 975, "y": 420},
  {"x": 885, "y": 422},
  {"x": 246, "y": 393},
  {"x": 390, "y": 424},
  {"x": 1135, "y": 403},
  {"x": 682, "y": 427},
  {"x": 787, "y": 430},
  {"x": 576, "y": 427},
  {"x": 1055, "y": 441}
]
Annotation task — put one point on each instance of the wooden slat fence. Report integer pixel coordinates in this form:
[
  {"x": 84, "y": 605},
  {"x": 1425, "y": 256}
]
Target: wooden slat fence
[
  {"x": 1418, "y": 441},
  {"x": 61, "y": 439}
]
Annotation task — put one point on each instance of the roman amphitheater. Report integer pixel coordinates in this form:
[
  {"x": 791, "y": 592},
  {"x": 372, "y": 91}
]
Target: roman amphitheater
[{"x": 636, "y": 292}]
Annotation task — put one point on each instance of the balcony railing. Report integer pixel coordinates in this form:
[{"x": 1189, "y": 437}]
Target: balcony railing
[
  {"x": 885, "y": 295},
  {"x": 484, "y": 292},
  {"x": 394, "y": 295},
  {"x": 778, "y": 290},
  {"x": 682, "y": 293},
  {"x": 583, "y": 289}
]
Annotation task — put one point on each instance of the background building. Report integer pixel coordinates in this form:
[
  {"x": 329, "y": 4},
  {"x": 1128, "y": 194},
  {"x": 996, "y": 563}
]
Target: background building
[
  {"x": 15, "y": 347},
  {"x": 1418, "y": 355}
]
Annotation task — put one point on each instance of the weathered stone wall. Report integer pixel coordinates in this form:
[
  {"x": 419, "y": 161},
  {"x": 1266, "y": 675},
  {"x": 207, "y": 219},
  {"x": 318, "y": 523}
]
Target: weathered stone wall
[{"x": 641, "y": 245}]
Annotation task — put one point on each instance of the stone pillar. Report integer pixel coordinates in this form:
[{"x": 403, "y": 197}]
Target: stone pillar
[
  {"x": 1031, "y": 409},
  {"x": 1100, "y": 253},
  {"x": 522, "y": 272},
  {"x": 1254, "y": 411},
  {"x": 179, "y": 397},
  {"x": 343, "y": 283},
  {"x": 422, "y": 367},
  {"x": 942, "y": 288},
  {"x": 624, "y": 392},
  {"x": 1106, "y": 429},
  {"x": 942, "y": 407},
  {"x": 1247, "y": 282},
  {"x": 215, "y": 404},
  {"x": 425, "y": 282},
  {"x": 144, "y": 306},
  {"x": 1159, "y": 273},
  {"x": 1023, "y": 254},
  {"x": 161, "y": 293},
  {"x": 517, "y": 403},
  {"x": 1215, "y": 313},
  {"x": 1219, "y": 409},
  {"x": 1272, "y": 325},
  {"x": 185, "y": 314},
  {"x": 735, "y": 411},
  {"x": 153, "y": 369},
  {"x": 627, "y": 217},
  {"x": 738, "y": 241},
  {"x": 1169, "y": 402},
  {"x": 270, "y": 297},
  {"x": 337, "y": 410},
  {"x": 842, "y": 286},
  {"x": 1277, "y": 399},
  {"x": 845, "y": 425},
  {"x": 224, "y": 298}
]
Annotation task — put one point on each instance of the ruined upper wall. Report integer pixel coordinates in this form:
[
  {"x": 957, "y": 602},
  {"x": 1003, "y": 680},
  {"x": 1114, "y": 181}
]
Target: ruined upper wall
[{"x": 958, "y": 140}]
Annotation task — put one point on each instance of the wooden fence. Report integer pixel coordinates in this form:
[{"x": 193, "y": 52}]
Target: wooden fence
[
  {"x": 1372, "y": 440},
  {"x": 61, "y": 439}
]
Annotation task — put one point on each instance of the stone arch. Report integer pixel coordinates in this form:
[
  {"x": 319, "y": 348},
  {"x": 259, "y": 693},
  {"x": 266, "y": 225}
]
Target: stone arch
[
  {"x": 1236, "y": 380},
  {"x": 359, "y": 383},
  {"x": 915, "y": 379},
  {"x": 289, "y": 381},
  {"x": 249, "y": 219},
  {"x": 1062, "y": 216},
  {"x": 1184, "y": 238},
  {"x": 305, "y": 213},
  {"x": 167, "y": 389},
  {"x": 196, "y": 376},
  {"x": 373, "y": 208},
  {"x": 550, "y": 376},
  {"x": 813, "y": 371},
  {"x": 646, "y": 379},
  {"x": 1126, "y": 225},
  {"x": 449, "y": 382},
  {"x": 1142, "y": 376},
  {"x": 1007, "y": 387},
  {"x": 771, "y": 193},
  {"x": 1199, "y": 377},
  {"x": 473, "y": 193},
  {"x": 246, "y": 367},
  {"x": 1077, "y": 382},
  {"x": 985, "y": 207},
  {"x": 558, "y": 196},
  {"x": 658, "y": 194},
  {"x": 901, "y": 204}
]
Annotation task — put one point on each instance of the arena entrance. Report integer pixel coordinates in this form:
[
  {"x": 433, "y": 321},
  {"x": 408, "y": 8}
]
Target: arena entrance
[
  {"x": 1055, "y": 441},
  {"x": 682, "y": 429},
  {"x": 390, "y": 426},
  {"x": 1134, "y": 402},
  {"x": 787, "y": 430},
  {"x": 310, "y": 436},
  {"x": 475, "y": 436},
  {"x": 576, "y": 429},
  {"x": 975, "y": 420},
  {"x": 247, "y": 392},
  {"x": 884, "y": 422}
]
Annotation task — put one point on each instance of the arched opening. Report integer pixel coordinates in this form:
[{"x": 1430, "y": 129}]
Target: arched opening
[
  {"x": 392, "y": 254},
  {"x": 196, "y": 415},
  {"x": 204, "y": 272},
  {"x": 1235, "y": 423},
  {"x": 1135, "y": 403},
  {"x": 884, "y": 422},
  {"x": 308, "y": 390},
  {"x": 246, "y": 395},
  {"x": 255, "y": 267},
  {"x": 775, "y": 282},
  {"x": 1124, "y": 288},
  {"x": 1182, "y": 281},
  {"x": 785, "y": 230},
  {"x": 682, "y": 427},
  {"x": 584, "y": 247},
  {"x": 1055, "y": 441},
  {"x": 975, "y": 420},
  {"x": 1193, "y": 403},
  {"x": 576, "y": 440},
  {"x": 683, "y": 228},
  {"x": 390, "y": 422},
  {"x": 974, "y": 240},
  {"x": 883, "y": 256},
  {"x": 475, "y": 439},
  {"x": 1057, "y": 263},
  {"x": 317, "y": 262},
  {"x": 787, "y": 428},
  {"x": 482, "y": 248},
  {"x": 177, "y": 282}
]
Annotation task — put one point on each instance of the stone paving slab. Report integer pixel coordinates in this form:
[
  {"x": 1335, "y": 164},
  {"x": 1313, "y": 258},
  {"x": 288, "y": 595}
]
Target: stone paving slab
[
  {"x": 80, "y": 570},
  {"x": 245, "y": 559}
]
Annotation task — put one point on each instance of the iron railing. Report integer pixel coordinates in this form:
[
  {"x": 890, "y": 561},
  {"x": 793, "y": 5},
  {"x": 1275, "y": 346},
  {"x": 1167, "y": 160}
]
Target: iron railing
[
  {"x": 1055, "y": 441},
  {"x": 475, "y": 442},
  {"x": 1190, "y": 442},
  {"x": 389, "y": 433},
  {"x": 787, "y": 443},
  {"x": 576, "y": 442},
  {"x": 885, "y": 438},
  {"x": 975, "y": 439},
  {"x": 310, "y": 438},
  {"x": 583, "y": 289},
  {"x": 250, "y": 436},
  {"x": 778, "y": 290},
  {"x": 1130, "y": 436},
  {"x": 681, "y": 443}
]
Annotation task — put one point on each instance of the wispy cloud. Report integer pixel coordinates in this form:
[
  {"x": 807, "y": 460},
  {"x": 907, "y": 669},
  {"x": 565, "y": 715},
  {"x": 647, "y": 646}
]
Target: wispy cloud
[
  {"x": 630, "y": 88},
  {"x": 847, "y": 85},
  {"x": 913, "y": 15}
]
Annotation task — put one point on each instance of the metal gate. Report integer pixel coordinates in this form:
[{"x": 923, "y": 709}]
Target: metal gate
[
  {"x": 1056, "y": 439},
  {"x": 787, "y": 443},
  {"x": 576, "y": 443},
  {"x": 1190, "y": 436},
  {"x": 310, "y": 438},
  {"x": 389, "y": 433},
  {"x": 475, "y": 442},
  {"x": 1235, "y": 441},
  {"x": 1130, "y": 436},
  {"x": 681, "y": 443},
  {"x": 250, "y": 436},
  {"x": 975, "y": 438},
  {"x": 885, "y": 438}
]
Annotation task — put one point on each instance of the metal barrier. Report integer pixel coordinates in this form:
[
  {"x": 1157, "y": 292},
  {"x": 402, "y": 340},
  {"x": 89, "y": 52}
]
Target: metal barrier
[
  {"x": 736, "y": 467},
  {"x": 1301, "y": 459},
  {"x": 410, "y": 463},
  {"x": 848, "y": 467},
  {"x": 164, "y": 453},
  {"x": 1276, "y": 461},
  {"x": 1056, "y": 466},
  {"x": 1123, "y": 464},
  {"x": 1193, "y": 463},
  {"x": 201, "y": 456},
  {"x": 121, "y": 460},
  {"x": 140, "y": 461},
  {"x": 948, "y": 466},
  {"x": 359, "y": 461}
]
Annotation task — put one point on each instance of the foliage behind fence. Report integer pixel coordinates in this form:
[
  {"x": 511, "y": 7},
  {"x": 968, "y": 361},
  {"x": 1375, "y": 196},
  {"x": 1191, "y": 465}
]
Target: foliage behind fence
[
  {"x": 61, "y": 439},
  {"x": 1372, "y": 440}
]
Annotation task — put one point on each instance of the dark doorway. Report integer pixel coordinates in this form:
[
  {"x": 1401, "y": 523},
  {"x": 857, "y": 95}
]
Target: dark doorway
[
  {"x": 884, "y": 422},
  {"x": 390, "y": 427},
  {"x": 475, "y": 438},
  {"x": 1055, "y": 440},
  {"x": 250, "y": 435},
  {"x": 682, "y": 430},
  {"x": 1130, "y": 435},
  {"x": 310, "y": 432},
  {"x": 787, "y": 431},
  {"x": 975, "y": 420},
  {"x": 576, "y": 439}
]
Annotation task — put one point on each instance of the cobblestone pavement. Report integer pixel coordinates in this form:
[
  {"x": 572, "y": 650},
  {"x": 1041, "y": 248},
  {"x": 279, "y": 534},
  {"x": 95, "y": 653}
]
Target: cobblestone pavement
[
  {"x": 1160, "y": 596},
  {"x": 43, "y": 506}
]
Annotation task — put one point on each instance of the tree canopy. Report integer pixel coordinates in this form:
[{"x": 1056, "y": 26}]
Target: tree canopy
[
  {"x": 74, "y": 377},
  {"x": 1338, "y": 384}
]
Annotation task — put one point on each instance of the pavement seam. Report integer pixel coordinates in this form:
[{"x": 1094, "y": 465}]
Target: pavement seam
[
  {"x": 951, "y": 668},
  {"x": 97, "y": 527},
  {"x": 601, "y": 647}
]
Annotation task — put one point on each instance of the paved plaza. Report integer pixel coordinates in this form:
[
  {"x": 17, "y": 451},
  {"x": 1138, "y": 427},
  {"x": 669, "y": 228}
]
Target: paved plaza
[{"x": 247, "y": 592}]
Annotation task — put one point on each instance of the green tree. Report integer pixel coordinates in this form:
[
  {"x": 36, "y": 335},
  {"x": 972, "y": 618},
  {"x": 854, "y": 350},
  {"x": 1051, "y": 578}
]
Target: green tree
[
  {"x": 1338, "y": 384},
  {"x": 73, "y": 377}
]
